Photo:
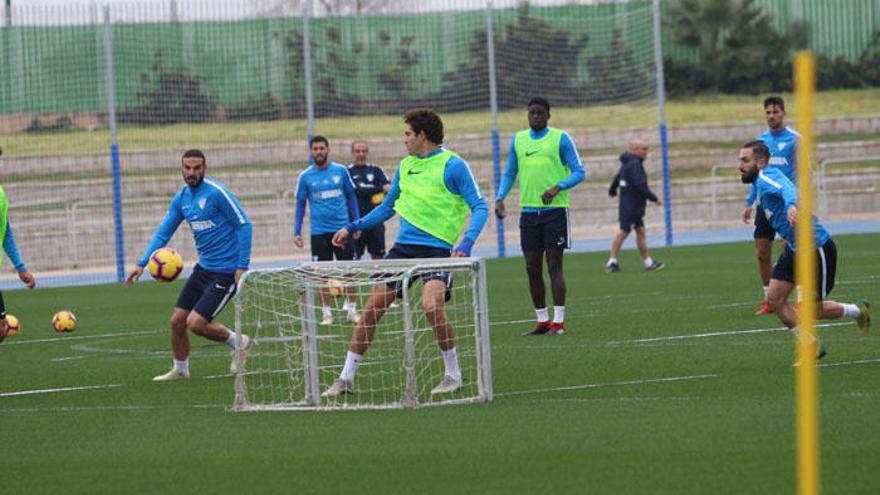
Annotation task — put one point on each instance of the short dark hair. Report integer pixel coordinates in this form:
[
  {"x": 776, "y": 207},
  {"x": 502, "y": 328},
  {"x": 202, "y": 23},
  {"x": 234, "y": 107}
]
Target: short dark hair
[
  {"x": 424, "y": 119},
  {"x": 539, "y": 101},
  {"x": 318, "y": 139},
  {"x": 194, "y": 153},
  {"x": 774, "y": 100},
  {"x": 759, "y": 150}
]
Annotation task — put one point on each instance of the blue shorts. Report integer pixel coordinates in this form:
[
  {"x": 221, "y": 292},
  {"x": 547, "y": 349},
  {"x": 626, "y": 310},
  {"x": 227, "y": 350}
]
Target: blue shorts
[
  {"x": 544, "y": 230},
  {"x": 629, "y": 222},
  {"x": 324, "y": 250},
  {"x": 371, "y": 241},
  {"x": 408, "y": 251},
  {"x": 763, "y": 229},
  {"x": 206, "y": 292},
  {"x": 826, "y": 268}
]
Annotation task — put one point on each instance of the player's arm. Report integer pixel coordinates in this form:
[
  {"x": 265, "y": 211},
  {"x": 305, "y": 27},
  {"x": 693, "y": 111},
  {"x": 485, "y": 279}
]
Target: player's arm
[
  {"x": 570, "y": 157},
  {"x": 351, "y": 201},
  {"x": 11, "y": 250},
  {"x": 639, "y": 179},
  {"x": 384, "y": 183},
  {"x": 378, "y": 215},
  {"x": 615, "y": 185},
  {"x": 160, "y": 238},
  {"x": 460, "y": 180},
  {"x": 747, "y": 211},
  {"x": 789, "y": 195},
  {"x": 235, "y": 215},
  {"x": 302, "y": 194},
  {"x": 507, "y": 179}
]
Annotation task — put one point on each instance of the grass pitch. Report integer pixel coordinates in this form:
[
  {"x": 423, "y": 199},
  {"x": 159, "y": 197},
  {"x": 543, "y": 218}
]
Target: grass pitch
[{"x": 665, "y": 383}]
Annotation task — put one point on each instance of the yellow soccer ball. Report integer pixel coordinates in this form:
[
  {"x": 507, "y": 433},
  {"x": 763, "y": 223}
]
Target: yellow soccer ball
[
  {"x": 165, "y": 264},
  {"x": 12, "y": 326},
  {"x": 64, "y": 321},
  {"x": 335, "y": 287}
]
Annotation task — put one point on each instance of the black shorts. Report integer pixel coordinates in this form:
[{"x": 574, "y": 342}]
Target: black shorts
[
  {"x": 206, "y": 292},
  {"x": 763, "y": 229},
  {"x": 324, "y": 250},
  {"x": 629, "y": 222},
  {"x": 544, "y": 230},
  {"x": 407, "y": 251},
  {"x": 372, "y": 241},
  {"x": 826, "y": 268},
  {"x": 2, "y": 307}
]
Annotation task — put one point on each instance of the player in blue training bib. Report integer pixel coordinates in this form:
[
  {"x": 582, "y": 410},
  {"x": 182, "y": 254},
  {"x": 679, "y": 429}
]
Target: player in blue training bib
[
  {"x": 329, "y": 192},
  {"x": 777, "y": 198},
  {"x": 223, "y": 236}
]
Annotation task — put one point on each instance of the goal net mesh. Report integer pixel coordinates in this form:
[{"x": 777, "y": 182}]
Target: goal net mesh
[{"x": 296, "y": 352}]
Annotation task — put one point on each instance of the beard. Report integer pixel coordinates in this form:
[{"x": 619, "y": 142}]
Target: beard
[{"x": 749, "y": 177}]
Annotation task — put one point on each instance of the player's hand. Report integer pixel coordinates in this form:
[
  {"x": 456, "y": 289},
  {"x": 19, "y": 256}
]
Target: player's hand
[
  {"x": 659, "y": 202},
  {"x": 134, "y": 275},
  {"x": 549, "y": 194},
  {"x": 499, "y": 209},
  {"x": 239, "y": 272},
  {"x": 791, "y": 214},
  {"x": 747, "y": 214},
  {"x": 27, "y": 279},
  {"x": 340, "y": 237},
  {"x": 298, "y": 241},
  {"x": 356, "y": 235}
]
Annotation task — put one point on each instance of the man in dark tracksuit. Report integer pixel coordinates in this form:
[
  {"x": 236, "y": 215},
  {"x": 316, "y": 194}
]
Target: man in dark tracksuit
[{"x": 634, "y": 193}]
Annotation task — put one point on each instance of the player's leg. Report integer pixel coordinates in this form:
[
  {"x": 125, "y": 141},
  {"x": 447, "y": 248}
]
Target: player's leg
[
  {"x": 622, "y": 234},
  {"x": 347, "y": 253},
  {"x": 642, "y": 243},
  {"x": 781, "y": 287},
  {"x": 323, "y": 250},
  {"x": 531, "y": 236},
  {"x": 433, "y": 304},
  {"x": 826, "y": 271},
  {"x": 557, "y": 239},
  {"x": 218, "y": 292},
  {"x": 189, "y": 295},
  {"x": 764, "y": 235},
  {"x": 376, "y": 242}
]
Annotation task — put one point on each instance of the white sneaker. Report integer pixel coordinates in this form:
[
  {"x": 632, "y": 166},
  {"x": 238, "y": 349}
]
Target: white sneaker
[
  {"x": 327, "y": 320},
  {"x": 339, "y": 387},
  {"x": 353, "y": 316},
  {"x": 447, "y": 385},
  {"x": 246, "y": 343},
  {"x": 393, "y": 305},
  {"x": 171, "y": 375}
]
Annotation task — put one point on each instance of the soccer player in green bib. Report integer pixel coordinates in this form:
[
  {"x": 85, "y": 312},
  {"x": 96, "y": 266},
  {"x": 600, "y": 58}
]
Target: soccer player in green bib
[
  {"x": 12, "y": 251},
  {"x": 432, "y": 191},
  {"x": 548, "y": 165}
]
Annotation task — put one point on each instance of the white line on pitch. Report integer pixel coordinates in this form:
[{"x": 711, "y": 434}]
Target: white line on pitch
[
  {"x": 53, "y": 390},
  {"x": 68, "y": 338},
  {"x": 112, "y": 408},
  {"x": 70, "y": 358},
  {"x": 718, "y": 334},
  {"x": 847, "y": 363},
  {"x": 602, "y": 385}
]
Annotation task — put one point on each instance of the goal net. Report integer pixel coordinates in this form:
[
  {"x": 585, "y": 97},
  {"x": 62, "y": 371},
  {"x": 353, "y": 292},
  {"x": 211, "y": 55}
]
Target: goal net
[{"x": 296, "y": 353}]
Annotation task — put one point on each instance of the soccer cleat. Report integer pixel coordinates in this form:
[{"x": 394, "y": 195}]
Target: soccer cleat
[
  {"x": 447, "y": 385},
  {"x": 765, "y": 309},
  {"x": 655, "y": 266},
  {"x": 863, "y": 322},
  {"x": 246, "y": 343},
  {"x": 556, "y": 329},
  {"x": 339, "y": 387},
  {"x": 171, "y": 375},
  {"x": 327, "y": 320},
  {"x": 540, "y": 329},
  {"x": 612, "y": 267}
]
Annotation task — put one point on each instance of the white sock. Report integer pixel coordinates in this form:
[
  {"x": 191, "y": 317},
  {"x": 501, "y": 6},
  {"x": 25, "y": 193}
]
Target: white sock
[
  {"x": 352, "y": 360},
  {"x": 611, "y": 260},
  {"x": 326, "y": 311},
  {"x": 648, "y": 262},
  {"x": 542, "y": 315},
  {"x": 766, "y": 291},
  {"x": 795, "y": 331},
  {"x": 230, "y": 340},
  {"x": 558, "y": 314},
  {"x": 181, "y": 366},
  {"x": 851, "y": 311},
  {"x": 450, "y": 360}
]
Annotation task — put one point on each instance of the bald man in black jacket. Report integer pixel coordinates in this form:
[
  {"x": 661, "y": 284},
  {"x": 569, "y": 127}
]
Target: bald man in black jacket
[{"x": 632, "y": 182}]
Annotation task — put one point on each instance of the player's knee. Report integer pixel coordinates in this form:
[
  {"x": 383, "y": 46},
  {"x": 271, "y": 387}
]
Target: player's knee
[
  {"x": 763, "y": 253},
  {"x": 776, "y": 302},
  {"x": 178, "y": 323},
  {"x": 196, "y": 323}
]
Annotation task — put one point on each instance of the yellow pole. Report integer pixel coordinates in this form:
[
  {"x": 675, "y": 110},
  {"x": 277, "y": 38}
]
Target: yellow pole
[{"x": 805, "y": 270}]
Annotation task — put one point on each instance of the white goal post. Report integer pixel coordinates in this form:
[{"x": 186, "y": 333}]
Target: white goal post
[{"x": 294, "y": 355}]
